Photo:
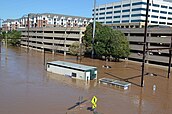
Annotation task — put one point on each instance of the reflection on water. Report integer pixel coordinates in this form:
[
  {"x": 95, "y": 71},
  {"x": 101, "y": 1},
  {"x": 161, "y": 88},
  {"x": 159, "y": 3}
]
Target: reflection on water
[
  {"x": 72, "y": 81},
  {"x": 26, "y": 88}
]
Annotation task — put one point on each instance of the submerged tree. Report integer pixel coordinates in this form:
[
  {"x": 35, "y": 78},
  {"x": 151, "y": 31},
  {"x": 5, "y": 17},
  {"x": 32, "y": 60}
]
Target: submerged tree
[
  {"x": 76, "y": 49},
  {"x": 13, "y": 37}
]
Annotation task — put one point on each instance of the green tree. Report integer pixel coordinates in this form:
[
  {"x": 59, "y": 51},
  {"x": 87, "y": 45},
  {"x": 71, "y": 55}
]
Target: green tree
[
  {"x": 87, "y": 39},
  {"x": 13, "y": 37},
  {"x": 121, "y": 47},
  {"x": 108, "y": 42},
  {"x": 76, "y": 49}
]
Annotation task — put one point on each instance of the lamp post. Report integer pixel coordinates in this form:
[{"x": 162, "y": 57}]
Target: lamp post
[
  {"x": 145, "y": 43},
  {"x": 94, "y": 26}
]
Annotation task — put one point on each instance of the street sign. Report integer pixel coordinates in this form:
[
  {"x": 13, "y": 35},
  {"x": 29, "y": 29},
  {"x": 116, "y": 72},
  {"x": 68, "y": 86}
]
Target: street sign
[{"x": 94, "y": 101}]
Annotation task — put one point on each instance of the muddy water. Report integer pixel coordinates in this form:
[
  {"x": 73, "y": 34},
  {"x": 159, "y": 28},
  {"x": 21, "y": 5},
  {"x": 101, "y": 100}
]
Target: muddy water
[{"x": 26, "y": 88}]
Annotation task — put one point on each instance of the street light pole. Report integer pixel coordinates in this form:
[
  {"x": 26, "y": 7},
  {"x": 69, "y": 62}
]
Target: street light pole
[
  {"x": 94, "y": 26},
  {"x": 145, "y": 43}
]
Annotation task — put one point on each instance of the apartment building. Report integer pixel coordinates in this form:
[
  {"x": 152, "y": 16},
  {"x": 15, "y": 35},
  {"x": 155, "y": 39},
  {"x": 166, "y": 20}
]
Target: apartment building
[
  {"x": 131, "y": 13},
  {"x": 53, "y": 39},
  {"x": 45, "y": 20},
  {"x": 10, "y": 24}
]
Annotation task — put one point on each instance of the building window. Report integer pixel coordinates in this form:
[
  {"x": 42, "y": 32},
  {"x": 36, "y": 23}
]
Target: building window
[
  {"x": 102, "y": 13},
  {"x": 96, "y": 9},
  {"x": 169, "y": 23},
  {"x": 110, "y": 7},
  {"x": 102, "y": 8},
  {"x": 137, "y": 15},
  {"x": 161, "y": 22},
  {"x": 161, "y": 17},
  {"x": 125, "y": 21},
  {"x": 117, "y": 16},
  {"x": 169, "y": 18},
  {"x": 139, "y": 9},
  {"x": 101, "y": 17},
  {"x": 108, "y": 22},
  {"x": 138, "y": 3},
  {"x": 164, "y": 12},
  {"x": 170, "y": 13},
  {"x": 93, "y": 14},
  {"x": 125, "y": 16},
  {"x": 153, "y": 16},
  {"x": 119, "y": 11},
  {"x": 155, "y": 22},
  {"x": 109, "y": 17},
  {"x": 155, "y": 11},
  {"x": 73, "y": 74},
  {"x": 118, "y": 6},
  {"x": 116, "y": 21},
  {"x": 156, "y": 5},
  {"x": 170, "y": 7},
  {"x": 126, "y": 5},
  {"x": 137, "y": 20},
  {"x": 162, "y": 6},
  {"x": 109, "y": 12},
  {"x": 127, "y": 10}
]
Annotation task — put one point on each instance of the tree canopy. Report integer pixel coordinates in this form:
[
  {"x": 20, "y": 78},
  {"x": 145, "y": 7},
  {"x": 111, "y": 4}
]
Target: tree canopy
[
  {"x": 76, "y": 49},
  {"x": 108, "y": 42},
  {"x": 13, "y": 37}
]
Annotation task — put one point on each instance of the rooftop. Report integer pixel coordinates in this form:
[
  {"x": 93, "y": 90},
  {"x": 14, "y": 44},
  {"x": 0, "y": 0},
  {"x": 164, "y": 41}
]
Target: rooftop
[{"x": 71, "y": 65}]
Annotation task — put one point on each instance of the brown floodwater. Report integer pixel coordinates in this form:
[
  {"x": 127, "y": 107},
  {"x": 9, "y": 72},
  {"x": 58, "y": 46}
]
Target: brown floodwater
[{"x": 26, "y": 87}]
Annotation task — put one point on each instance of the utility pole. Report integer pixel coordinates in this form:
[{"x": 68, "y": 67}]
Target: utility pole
[
  {"x": 6, "y": 45},
  {"x": 169, "y": 65},
  {"x": 94, "y": 26},
  {"x": 145, "y": 43},
  {"x": 28, "y": 26},
  {"x": 0, "y": 26},
  {"x": 0, "y": 33}
]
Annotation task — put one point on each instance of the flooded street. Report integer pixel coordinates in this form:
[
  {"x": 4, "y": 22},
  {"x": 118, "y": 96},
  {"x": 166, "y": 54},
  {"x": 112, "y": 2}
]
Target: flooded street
[{"x": 27, "y": 88}]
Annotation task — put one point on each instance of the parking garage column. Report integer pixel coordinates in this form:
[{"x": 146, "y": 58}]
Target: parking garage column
[
  {"x": 148, "y": 45},
  {"x": 53, "y": 48},
  {"x": 65, "y": 44}
]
